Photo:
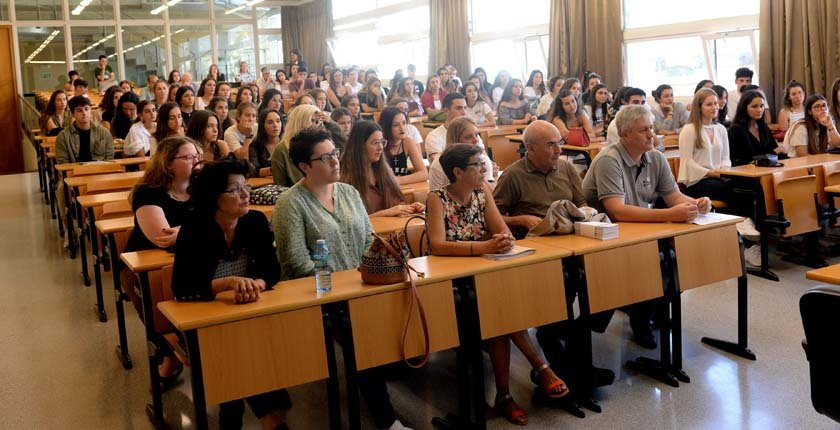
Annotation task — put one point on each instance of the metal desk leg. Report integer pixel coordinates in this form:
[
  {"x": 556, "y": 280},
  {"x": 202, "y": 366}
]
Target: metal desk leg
[
  {"x": 333, "y": 395},
  {"x": 82, "y": 247},
  {"x": 97, "y": 271},
  {"x": 196, "y": 380},
  {"x": 120, "y": 297},
  {"x": 155, "y": 410}
]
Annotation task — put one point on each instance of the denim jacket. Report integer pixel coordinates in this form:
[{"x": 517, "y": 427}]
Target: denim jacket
[{"x": 67, "y": 144}]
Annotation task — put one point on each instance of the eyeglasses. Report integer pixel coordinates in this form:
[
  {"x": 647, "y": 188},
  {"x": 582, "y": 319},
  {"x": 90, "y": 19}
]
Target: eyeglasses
[
  {"x": 240, "y": 190},
  {"x": 326, "y": 157},
  {"x": 193, "y": 158},
  {"x": 478, "y": 164},
  {"x": 316, "y": 121},
  {"x": 381, "y": 142}
]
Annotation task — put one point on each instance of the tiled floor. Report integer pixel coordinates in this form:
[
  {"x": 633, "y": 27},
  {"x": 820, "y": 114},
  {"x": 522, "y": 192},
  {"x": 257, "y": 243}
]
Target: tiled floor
[{"x": 59, "y": 369}]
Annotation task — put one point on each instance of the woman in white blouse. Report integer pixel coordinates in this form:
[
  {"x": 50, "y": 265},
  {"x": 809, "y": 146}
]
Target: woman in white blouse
[
  {"x": 704, "y": 147},
  {"x": 139, "y": 140}
]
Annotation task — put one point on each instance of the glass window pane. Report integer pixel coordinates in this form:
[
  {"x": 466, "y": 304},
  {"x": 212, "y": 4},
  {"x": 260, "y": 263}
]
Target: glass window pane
[
  {"x": 143, "y": 49},
  {"x": 501, "y": 54},
  {"x": 268, "y": 17},
  {"x": 91, "y": 9},
  {"x": 398, "y": 55},
  {"x": 139, "y": 9},
  {"x": 4, "y": 10},
  {"x": 347, "y": 8},
  {"x": 191, "y": 50},
  {"x": 536, "y": 49},
  {"x": 42, "y": 59},
  {"x": 646, "y": 13},
  {"x": 235, "y": 43},
  {"x": 38, "y": 10},
  {"x": 730, "y": 54},
  {"x": 88, "y": 44},
  {"x": 196, "y": 9},
  {"x": 355, "y": 48},
  {"x": 232, "y": 9},
  {"x": 271, "y": 50},
  {"x": 678, "y": 62},
  {"x": 497, "y": 15}
]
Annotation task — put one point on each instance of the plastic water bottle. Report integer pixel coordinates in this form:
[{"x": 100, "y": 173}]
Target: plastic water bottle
[{"x": 323, "y": 271}]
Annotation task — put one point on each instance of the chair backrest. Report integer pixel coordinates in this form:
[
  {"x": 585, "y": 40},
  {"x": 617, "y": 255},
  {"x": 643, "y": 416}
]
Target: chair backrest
[
  {"x": 505, "y": 152},
  {"x": 160, "y": 288},
  {"x": 820, "y": 311},
  {"x": 96, "y": 169},
  {"x": 671, "y": 141},
  {"x": 110, "y": 185},
  {"x": 116, "y": 210},
  {"x": 797, "y": 196}
]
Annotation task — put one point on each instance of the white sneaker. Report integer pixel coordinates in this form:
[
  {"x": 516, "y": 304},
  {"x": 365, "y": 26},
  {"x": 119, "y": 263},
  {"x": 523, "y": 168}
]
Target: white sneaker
[
  {"x": 746, "y": 228},
  {"x": 397, "y": 425},
  {"x": 752, "y": 256}
]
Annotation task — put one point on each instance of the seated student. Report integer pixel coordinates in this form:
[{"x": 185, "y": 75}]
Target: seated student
[
  {"x": 400, "y": 148},
  {"x": 108, "y": 105},
  {"x": 138, "y": 142},
  {"x": 404, "y": 90},
  {"x": 321, "y": 207},
  {"x": 499, "y": 85},
  {"x": 606, "y": 189},
  {"x": 299, "y": 83},
  {"x": 219, "y": 106},
  {"x": 573, "y": 85},
  {"x": 161, "y": 93},
  {"x": 272, "y": 100},
  {"x": 629, "y": 96},
  {"x": 566, "y": 114},
  {"x": 161, "y": 203},
  {"x": 477, "y": 109},
  {"x": 319, "y": 96},
  {"x": 351, "y": 103},
  {"x": 148, "y": 92},
  {"x": 300, "y": 117},
  {"x": 239, "y": 136},
  {"x": 410, "y": 129},
  {"x": 213, "y": 72},
  {"x": 206, "y": 91},
  {"x": 244, "y": 76},
  {"x": 704, "y": 148},
  {"x": 554, "y": 86},
  {"x": 535, "y": 86},
  {"x": 296, "y": 59},
  {"x": 269, "y": 129},
  {"x": 597, "y": 107},
  {"x": 482, "y": 94},
  {"x": 669, "y": 116},
  {"x": 265, "y": 81},
  {"x": 169, "y": 123},
  {"x": 513, "y": 107},
  {"x": 125, "y": 116},
  {"x": 223, "y": 91},
  {"x": 454, "y": 106},
  {"x": 723, "y": 105},
  {"x": 344, "y": 119},
  {"x": 185, "y": 97},
  {"x": 743, "y": 76},
  {"x": 174, "y": 77},
  {"x": 56, "y": 115},
  {"x": 71, "y": 79},
  {"x": 749, "y": 135},
  {"x": 461, "y": 130},
  {"x": 226, "y": 246},
  {"x": 353, "y": 81},
  {"x": 835, "y": 100},
  {"x": 705, "y": 83},
  {"x": 126, "y": 86},
  {"x": 371, "y": 96},
  {"x": 814, "y": 134},
  {"x": 187, "y": 81},
  {"x": 204, "y": 130},
  {"x": 337, "y": 88},
  {"x": 463, "y": 220},
  {"x": 794, "y": 109},
  {"x": 173, "y": 91},
  {"x": 80, "y": 88},
  {"x": 366, "y": 170},
  {"x": 432, "y": 98},
  {"x": 590, "y": 79}
]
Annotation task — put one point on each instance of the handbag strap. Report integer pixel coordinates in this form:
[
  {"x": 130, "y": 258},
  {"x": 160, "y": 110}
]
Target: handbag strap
[{"x": 423, "y": 237}]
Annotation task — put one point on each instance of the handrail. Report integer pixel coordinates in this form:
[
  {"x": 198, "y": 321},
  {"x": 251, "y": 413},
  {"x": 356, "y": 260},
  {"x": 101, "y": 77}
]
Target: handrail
[{"x": 29, "y": 105}]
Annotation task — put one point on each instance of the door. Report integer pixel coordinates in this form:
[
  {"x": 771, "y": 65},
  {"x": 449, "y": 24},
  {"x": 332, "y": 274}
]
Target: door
[{"x": 11, "y": 151}]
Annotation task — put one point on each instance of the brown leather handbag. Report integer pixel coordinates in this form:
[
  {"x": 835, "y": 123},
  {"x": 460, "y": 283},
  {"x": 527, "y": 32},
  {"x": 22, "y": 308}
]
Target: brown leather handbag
[
  {"x": 386, "y": 262},
  {"x": 577, "y": 137}
]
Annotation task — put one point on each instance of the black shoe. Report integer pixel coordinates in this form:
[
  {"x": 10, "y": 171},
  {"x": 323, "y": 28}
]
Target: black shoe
[
  {"x": 643, "y": 336},
  {"x": 602, "y": 377}
]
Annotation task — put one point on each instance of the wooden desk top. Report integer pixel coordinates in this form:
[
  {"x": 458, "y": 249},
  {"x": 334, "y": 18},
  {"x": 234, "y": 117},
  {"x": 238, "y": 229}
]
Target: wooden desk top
[
  {"x": 629, "y": 233},
  {"x": 832, "y": 189},
  {"x": 77, "y": 181},
  {"x": 300, "y": 293},
  {"x": 260, "y": 182},
  {"x": 752, "y": 171},
  {"x": 94, "y": 200},
  {"x": 515, "y": 138},
  {"x": 130, "y": 161},
  {"x": 415, "y": 187},
  {"x": 115, "y": 225},
  {"x": 146, "y": 261},
  {"x": 502, "y": 130},
  {"x": 829, "y": 275}
]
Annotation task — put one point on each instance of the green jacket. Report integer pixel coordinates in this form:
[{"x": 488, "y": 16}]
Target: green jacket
[{"x": 67, "y": 144}]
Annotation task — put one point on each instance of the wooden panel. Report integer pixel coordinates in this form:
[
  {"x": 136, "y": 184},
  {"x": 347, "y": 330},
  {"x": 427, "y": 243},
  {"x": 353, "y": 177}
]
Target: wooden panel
[
  {"x": 258, "y": 355},
  {"x": 11, "y": 140},
  {"x": 505, "y": 152},
  {"x": 378, "y": 323},
  {"x": 623, "y": 276},
  {"x": 707, "y": 257},
  {"x": 519, "y": 298},
  {"x": 830, "y": 274},
  {"x": 797, "y": 196}
]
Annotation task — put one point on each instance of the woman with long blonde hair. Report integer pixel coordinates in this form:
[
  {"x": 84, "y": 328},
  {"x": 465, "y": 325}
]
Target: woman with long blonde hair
[
  {"x": 301, "y": 117},
  {"x": 704, "y": 148}
]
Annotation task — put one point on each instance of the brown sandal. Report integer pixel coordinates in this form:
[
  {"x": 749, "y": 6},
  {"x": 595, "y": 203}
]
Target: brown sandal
[{"x": 507, "y": 407}]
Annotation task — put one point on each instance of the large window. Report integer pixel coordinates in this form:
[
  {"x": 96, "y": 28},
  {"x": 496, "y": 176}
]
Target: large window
[
  {"x": 42, "y": 58},
  {"x": 681, "y": 42},
  {"x": 384, "y": 35},
  {"x": 143, "y": 48},
  {"x": 91, "y": 9},
  {"x": 4, "y": 10},
  {"x": 191, "y": 50},
  {"x": 38, "y": 10},
  {"x": 88, "y": 44},
  {"x": 235, "y": 44},
  {"x": 514, "y": 39}
]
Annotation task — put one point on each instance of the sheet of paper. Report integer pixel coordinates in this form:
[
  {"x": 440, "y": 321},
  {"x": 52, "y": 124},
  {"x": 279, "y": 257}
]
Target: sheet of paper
[
  {"x": 711, "y": 218},
  {"x": 517, "y": 251}
]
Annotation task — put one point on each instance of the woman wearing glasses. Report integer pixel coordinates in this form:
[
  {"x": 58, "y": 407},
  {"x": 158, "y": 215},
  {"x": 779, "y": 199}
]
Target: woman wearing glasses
[
  {"x": 321, "y": 207},
  {"x": 366, "y": 170},
  {"x": 227, "y": 247},
  {"x": 161, "y": 202},
  {"x": 815, "y": 134}
]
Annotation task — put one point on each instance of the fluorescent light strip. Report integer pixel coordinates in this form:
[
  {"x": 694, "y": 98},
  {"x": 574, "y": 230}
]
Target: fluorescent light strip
[
  {"x": 43, "y": 45},
  {"x": 238, "y": 8},
  {"x": 164, "y": 6}
]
